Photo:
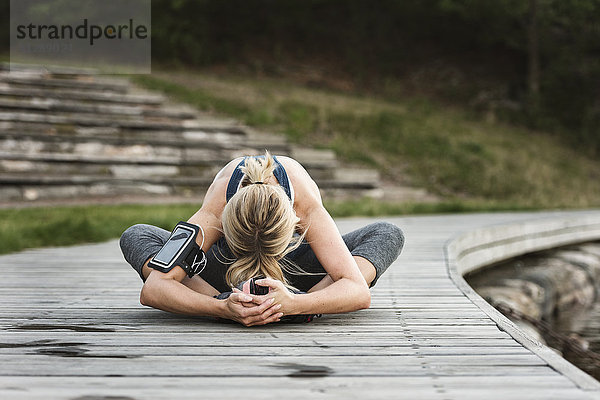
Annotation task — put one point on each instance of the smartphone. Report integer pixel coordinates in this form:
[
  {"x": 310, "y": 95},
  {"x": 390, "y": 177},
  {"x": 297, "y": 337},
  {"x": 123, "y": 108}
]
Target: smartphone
[{"x": 257, "y": 289}]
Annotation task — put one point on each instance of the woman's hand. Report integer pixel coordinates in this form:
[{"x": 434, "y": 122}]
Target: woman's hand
[
  {"x": 281, "y": 295},
  {"x": 251, "y": 310}
]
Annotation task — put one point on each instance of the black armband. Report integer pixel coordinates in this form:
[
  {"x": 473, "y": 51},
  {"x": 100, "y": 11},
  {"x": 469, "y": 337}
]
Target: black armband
[{"x": 181, "y": 250}]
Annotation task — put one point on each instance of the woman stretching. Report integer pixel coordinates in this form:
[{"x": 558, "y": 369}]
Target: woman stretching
[{"x": 263, "y": 217}]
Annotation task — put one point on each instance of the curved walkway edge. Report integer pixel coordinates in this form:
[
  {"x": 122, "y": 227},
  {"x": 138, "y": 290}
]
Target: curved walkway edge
[{"x": 485, "y": 246}]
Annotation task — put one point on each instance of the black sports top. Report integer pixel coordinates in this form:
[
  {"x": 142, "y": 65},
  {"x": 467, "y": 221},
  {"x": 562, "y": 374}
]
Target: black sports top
[{"x": 282, "y": 177}]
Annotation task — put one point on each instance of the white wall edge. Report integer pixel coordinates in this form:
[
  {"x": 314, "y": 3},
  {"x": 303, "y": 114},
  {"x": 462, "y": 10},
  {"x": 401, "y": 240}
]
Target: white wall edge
[{"x": 484, "y": 246}]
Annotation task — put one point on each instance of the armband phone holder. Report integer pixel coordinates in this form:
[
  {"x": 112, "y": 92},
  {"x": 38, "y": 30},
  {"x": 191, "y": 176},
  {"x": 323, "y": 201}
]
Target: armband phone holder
[{"x": 181, "y": 250}]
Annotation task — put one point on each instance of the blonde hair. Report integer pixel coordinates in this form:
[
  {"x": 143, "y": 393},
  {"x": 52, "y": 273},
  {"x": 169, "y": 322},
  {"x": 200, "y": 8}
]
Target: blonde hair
[{"x": 259, "y": 222}]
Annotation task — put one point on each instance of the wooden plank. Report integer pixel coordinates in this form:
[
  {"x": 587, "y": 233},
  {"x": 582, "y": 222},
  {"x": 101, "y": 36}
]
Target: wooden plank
[
  {"x": 375, "y": 332},
  {"x": 260, "y": 365},
  {"x": 323, "y": 323},
  {"x": 496, "y": 387},
  {"x": 243, "y": 341},
  {"x": 204, "y": 383},
  {"x": 139, "y": 313},
  {"x": 75, "y": 348}
]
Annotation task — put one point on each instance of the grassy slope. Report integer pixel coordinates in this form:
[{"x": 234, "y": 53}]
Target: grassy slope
[{"x": 441, "y": 148}]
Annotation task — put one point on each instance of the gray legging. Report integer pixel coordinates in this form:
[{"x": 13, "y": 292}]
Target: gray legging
[{"x": 379, "y": 242}]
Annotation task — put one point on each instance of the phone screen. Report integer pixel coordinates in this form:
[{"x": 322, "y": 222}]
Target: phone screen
[{"x": 173, "y": 245}]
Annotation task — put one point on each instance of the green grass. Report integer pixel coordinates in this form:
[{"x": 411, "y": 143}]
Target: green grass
[{"x": 61, "y": 226}]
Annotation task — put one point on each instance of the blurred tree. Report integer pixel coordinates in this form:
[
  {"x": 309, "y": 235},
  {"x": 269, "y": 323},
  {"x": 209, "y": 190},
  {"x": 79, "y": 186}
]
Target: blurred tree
[
  {"x": 533, "y": 51},
  {"x": 4, "y": 26}
]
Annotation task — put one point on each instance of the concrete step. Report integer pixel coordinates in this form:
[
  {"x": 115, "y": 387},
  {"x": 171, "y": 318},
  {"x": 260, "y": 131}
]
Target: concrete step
[
  {"x": 42, "y": 186},
  {"x": 98, "y": 152},
  {"x": 68, "y": 167},
  {"x": 122, "y": 121},
  {"x": 86, "y": 120},
  {"x": 55, "y": 180},
  {"x": 207, "y": 132},
  {"x": 122, "y": 190},
  {"x": 48, "y": 105},
  {"x": 343, "y": 176},
  {"x": 363, "y": 176},
  {"x": 113, "y": 136},
  {"x": 43, "y": 80},
  {"x": 87, "y": 96},
  {"x": 133, "y": 155},
  {"x": 47, "y": 69},
  {"x": 305, "y": 155}
]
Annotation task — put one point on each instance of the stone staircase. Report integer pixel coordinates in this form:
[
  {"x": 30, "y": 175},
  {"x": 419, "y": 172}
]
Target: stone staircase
[{"x": 69, "y": 134}]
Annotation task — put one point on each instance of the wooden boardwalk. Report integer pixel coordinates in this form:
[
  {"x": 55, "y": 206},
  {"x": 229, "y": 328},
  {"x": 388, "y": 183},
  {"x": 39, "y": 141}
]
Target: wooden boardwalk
[{"x": 73, "y": 328}]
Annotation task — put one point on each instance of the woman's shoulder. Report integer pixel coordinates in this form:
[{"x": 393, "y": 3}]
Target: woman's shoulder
[
  {"x": 225, "y": 173},
  {"x": 293, "y": 167},
  {"x": 305, "y": 189},
  {"x": 215, "y": 194}
]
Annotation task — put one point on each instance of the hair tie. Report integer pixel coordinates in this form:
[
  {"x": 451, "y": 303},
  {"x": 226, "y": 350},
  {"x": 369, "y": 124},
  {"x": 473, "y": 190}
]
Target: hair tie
[{"x": 257, "y": 183}]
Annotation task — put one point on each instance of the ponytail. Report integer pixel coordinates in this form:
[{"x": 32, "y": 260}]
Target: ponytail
[
  {"x": 258, "y": 170},
  {"x": 259, "y": 223}
]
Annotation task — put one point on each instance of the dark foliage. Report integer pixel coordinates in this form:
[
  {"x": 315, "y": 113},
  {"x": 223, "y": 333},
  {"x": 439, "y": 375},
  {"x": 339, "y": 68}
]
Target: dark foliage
[
  {"x": 486, "y": 41},
  {"x": 372, "y": 41}
]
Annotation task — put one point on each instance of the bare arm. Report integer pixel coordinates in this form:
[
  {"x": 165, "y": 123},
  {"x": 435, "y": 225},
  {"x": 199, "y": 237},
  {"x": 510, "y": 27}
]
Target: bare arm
[
  {"x": 349, "y": 290},
  {"x": 208, "y": 217},
  {"x": 166, "y": 292}
]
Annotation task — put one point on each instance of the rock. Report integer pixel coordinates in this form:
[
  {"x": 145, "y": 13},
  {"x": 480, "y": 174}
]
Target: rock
[
  {"x": 565, "y": 284},
  {"x": 530, "y": 330},
  {"x": 31, "y": 194},
  {"x": 530, "y": 289},
  {"x": 585, "y": 258},
  {"x": 512, "y": 297},
  {"x": 590, "y": 248}
]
